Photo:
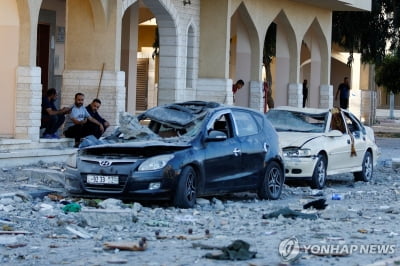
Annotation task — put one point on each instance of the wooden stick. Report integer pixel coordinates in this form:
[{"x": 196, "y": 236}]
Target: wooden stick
[{"x": 101, "y": 77}]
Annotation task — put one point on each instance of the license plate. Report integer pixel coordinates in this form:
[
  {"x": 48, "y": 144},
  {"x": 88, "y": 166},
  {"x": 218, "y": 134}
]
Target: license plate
[{"x": 102, "y": 179}]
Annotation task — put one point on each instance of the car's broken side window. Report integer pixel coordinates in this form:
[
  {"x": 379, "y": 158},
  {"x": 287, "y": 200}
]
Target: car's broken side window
[
  {"x": 222, "y": 123},
  {"x": 246, "y": 125},
  {"x": 295, "y": 121}
]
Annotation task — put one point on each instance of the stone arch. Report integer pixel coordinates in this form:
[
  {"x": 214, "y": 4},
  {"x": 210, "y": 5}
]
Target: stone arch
[
  {"x": 313, "y": 66},
  {"x": 28, "y": 17},
  {"x": 286, "y": 61},
  {"x": 254, "y": 41},
  {"x": 99, "y": 8},
  {"x": 163, "y": 86},
  {"x": 323, "y": 48},
  {"x": 167, "y": 21},
  {"x": 244, "y": 52},
  {"x": 190, "y": 57}
]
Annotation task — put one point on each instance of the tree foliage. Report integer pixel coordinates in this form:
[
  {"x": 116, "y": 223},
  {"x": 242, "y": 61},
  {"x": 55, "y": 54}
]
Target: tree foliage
[
  {"x": 387, "y": 73},
  {"x": 369, "y": 33}
]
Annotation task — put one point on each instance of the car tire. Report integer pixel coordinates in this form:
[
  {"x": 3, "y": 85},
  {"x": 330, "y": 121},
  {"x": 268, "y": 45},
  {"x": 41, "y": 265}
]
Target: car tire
[
  {"x": 185, "y": 195},
  {"x": 367, "y": 169},
  {"x": 272, "y": 182},
  {"x": 318, "y": 178}
]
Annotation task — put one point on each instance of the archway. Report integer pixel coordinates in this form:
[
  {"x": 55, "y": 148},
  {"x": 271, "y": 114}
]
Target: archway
[
  {"x": 313, "y": 55},
  {"x": 148, "y": 75},
  {"x": 244, "y": 50},
  {"x": 286, "y": 53}
]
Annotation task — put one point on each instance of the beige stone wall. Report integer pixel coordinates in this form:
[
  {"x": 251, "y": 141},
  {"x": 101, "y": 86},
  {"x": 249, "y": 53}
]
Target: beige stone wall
[
  {"x": 92, "y": 36},
  {"x": 9, "y": 39}
]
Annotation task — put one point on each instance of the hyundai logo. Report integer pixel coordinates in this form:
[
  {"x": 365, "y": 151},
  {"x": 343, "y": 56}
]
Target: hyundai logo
[{"x": 105, "y": 163}]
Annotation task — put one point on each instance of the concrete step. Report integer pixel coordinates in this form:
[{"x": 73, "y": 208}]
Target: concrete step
[
  {"x": 21, "y": 144},
  {"x": 12, "y": 158}
]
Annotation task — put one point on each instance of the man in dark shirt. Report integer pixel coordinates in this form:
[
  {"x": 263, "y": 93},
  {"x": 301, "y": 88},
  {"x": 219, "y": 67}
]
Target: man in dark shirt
[
  {"x": 92, "y": 109},
  {"x": 344, "y": 90},
  {"x": 52, "y": 118}
]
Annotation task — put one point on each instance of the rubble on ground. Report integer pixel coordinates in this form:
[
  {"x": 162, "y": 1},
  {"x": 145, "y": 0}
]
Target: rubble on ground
[{"x": 42, "y": 225}]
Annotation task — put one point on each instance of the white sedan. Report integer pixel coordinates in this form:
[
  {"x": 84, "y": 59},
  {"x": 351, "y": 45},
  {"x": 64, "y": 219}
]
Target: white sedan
[{"x": 321, "y": 142}]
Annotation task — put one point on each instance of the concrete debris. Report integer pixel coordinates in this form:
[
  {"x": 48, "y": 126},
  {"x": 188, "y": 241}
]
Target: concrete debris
[
  {"x": 111, "y": 204},
  {"x": 34, "y": 229},
  {"x": 78, "y": 231}
]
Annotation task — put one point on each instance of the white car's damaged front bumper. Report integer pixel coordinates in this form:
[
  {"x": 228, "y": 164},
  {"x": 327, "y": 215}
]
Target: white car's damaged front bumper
[{"x": 299, "y": 167}]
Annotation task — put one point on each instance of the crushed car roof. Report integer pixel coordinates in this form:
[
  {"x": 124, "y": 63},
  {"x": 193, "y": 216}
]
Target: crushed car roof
[{"x": 179, "y": 114}]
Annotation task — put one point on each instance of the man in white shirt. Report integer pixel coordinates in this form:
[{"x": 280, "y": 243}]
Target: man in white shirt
[{"x": 77, "y": 126}]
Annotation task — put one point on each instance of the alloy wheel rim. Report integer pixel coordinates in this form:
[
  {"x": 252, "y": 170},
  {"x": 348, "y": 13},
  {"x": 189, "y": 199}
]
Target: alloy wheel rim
[
  {"x": 190, "y": 188},
  {"x": 321, "y": 173},
  {"x": 274, "y": 182},
  {"x": 368, "y": 167}
]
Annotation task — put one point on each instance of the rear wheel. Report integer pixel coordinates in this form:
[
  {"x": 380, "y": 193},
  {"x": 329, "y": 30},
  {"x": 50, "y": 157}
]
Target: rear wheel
[
  {"x": 272, "y": 183},
  {"x": 185, "y": 195},
  {"x": 318, "y": 178},
  {"x": 367, "y": 169}
]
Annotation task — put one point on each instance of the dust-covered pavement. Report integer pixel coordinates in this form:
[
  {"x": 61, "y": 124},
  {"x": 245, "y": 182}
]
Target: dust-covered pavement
[{"x": 359, "y": 229}]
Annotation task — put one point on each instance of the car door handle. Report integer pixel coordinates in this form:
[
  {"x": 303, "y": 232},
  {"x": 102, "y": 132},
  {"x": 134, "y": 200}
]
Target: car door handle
[
  {"x": 348, "y": 141},
  {"x": 266, "y": 146},
  {"x": 236, "y": 152}
]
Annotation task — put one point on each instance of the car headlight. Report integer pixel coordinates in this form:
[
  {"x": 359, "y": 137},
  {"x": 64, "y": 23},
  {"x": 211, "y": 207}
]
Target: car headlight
[
  {"x": 156, "y": 162},
  {"x": 71, "y": 161},
  {"x": 297, "y": 152}
]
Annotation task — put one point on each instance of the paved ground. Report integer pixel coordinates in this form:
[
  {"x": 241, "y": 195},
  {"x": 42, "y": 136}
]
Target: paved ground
[{"x": 385, "y": 126}]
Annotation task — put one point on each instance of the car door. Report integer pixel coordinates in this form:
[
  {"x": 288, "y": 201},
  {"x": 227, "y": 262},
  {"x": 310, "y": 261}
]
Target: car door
[
  {"x": 253, "y": 147},
  {"x": 223, "y": 157},
  {"x": 339, "y": 147},
  {"x": 358, "y": 134}
]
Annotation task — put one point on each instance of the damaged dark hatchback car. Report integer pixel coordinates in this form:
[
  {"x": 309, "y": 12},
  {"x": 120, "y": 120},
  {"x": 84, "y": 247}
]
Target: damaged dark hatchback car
[{"x": 181, "y": 151}]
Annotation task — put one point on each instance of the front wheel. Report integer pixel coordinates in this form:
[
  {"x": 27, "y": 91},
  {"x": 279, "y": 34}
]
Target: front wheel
[
  {"x": 367, "y": 169},
  {"x": 318, "y": 178},
  {"x": 185, "y": 195},
  {"x": 272, "y": 183}
]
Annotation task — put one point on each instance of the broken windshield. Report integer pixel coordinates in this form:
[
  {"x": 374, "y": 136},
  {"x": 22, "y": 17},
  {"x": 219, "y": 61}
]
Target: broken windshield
[{"x": 284, "y": 120}]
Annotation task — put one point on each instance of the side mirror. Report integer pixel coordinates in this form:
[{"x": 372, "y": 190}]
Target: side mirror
[
  {"x": 215, "y": 135},
  {"x": 334, "y": 133}
]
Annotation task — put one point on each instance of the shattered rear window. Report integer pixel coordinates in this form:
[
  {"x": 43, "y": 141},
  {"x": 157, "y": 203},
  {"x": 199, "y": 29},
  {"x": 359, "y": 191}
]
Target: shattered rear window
[{"x": 284, "y": 120}]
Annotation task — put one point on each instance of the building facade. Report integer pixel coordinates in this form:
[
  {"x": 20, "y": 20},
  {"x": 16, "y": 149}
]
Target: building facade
[{"x": 135, "y": 54}]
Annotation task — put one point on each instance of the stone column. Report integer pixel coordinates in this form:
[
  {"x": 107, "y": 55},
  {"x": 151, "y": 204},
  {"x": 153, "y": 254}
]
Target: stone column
[
  {"x": 295, "y": 94},
  {"x": 256, "y": 100},
  {"x": 28, "y": 103},
  {"x": 325, "y": 96},
  {"x": 214, "y": 39},
  {"x": 368, "y": 107},
  {"x": 217, "y": 90}
]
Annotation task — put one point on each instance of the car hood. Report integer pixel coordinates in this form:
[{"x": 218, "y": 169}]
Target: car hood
[
  {"x": 296, "y": 139},
  {"x": 137, "y": 148},
  {"x": 143, "y": 144}
]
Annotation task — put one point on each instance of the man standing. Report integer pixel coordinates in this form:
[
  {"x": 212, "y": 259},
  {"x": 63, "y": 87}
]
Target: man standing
[
  {"x": 305, "y": 92},
  {"x": 52, "y": 118},
  {"x": 237, "y": 86},
  {"x": 92, "y": 109},
  {"x": 344, "y": 90},
  {"x": 77, "y": 124}
]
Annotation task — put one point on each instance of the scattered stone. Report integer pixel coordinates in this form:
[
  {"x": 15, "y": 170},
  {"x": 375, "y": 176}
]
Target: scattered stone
[
  {"x": 202, "y": 202},
  {"x": 78, "y": 231},
  {"x": 107, "y": 217},
  {"x": 111, "y": 204}
]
